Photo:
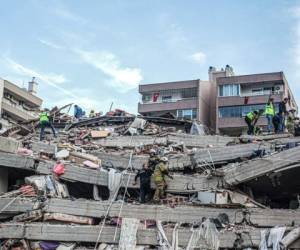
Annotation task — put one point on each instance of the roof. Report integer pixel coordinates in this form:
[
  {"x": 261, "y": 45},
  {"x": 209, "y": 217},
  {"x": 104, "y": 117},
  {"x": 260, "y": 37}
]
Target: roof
[
  {"x": 262, "y": 77},
  {"x": 168, "y": 85}
]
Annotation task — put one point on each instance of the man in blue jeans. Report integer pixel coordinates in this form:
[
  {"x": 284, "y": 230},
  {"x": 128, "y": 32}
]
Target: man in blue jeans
[
  {"x": 44, "y": 123},
  {"x": 282, "y": 113},
  {"x": 270, "y": 112}
]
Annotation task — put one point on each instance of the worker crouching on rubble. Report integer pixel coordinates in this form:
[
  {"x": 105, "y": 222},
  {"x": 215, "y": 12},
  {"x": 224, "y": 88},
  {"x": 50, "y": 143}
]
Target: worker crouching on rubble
[
  {"x": 251, "y": 119},
  {"x": 145, "y": 182},
  {"x": 44, "y": 123},
  {"x": 160, "y": 171}
]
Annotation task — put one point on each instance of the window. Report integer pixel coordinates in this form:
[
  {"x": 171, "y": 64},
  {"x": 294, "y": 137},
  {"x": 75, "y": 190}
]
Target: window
[
  {"x": 240, "y": 111},
  {"x": 187, "y": 114},
  {"x": 167, "y": 98},
  {"x": 229, "y": 90},
  {"x": 259, "y": 91},
  {"x": 189, "y": 93},
  {"x": 146, "y": 98}
]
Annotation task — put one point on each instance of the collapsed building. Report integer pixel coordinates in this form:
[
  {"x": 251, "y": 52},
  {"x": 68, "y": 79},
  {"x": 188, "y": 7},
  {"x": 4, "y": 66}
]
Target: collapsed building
[{"x": 77, "y": 191}]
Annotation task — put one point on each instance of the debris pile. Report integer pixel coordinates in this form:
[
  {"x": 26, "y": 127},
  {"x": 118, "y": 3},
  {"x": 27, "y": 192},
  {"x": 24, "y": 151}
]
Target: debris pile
[{"x": 79, "y": 191}]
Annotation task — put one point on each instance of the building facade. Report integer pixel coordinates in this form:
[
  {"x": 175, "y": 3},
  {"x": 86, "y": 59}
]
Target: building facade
[
  {"x": 238, "y": 95},
  {"x": 18, "y": 104},
  {"x": 183, "y": 99},
  {"x": 192, "y": 99}
]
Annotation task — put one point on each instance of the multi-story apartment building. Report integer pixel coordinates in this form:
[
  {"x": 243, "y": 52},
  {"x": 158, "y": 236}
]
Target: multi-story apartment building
[
  {"x": 183, "y": 99},
  {"x": 18, "y": 104},
  {"x": 238, "y": 95},
  {"x": 191, "y": 99}
]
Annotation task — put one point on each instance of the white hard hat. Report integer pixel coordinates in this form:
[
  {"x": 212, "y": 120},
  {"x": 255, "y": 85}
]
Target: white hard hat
[
  {"x": 152, "y": 151},
  {"x": 164, "y": 159}
]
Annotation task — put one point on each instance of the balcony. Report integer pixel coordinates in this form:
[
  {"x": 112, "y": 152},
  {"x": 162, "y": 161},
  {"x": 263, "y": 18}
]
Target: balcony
[
  {"x": 247, "y": 100},
  {"x": 22, "y": 94},
  {"x": 17, "y": 111},
  {"x": 174, "y": 105}
]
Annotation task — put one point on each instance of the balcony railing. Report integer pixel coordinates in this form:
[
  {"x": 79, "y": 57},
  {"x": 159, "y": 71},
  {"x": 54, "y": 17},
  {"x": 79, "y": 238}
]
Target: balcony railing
[
  {"x": 30, "y": 114},
  {"x": 168, "y": 101},
  {"x": 261, "y": 93}
]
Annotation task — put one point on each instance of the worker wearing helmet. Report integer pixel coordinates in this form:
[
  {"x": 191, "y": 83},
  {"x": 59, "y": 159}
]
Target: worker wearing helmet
[
  {"x": 160, "y": 171},
  {"x": 92, "y": 114},
  {"x": 153, "y": 160}
]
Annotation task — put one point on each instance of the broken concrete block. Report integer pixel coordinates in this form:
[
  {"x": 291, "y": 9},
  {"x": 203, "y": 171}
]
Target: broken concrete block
[
  {"x": 62, "y": 154},
  {"x": 99, "y": 134},
  {"x": 38, "y": 147},
  {"x": 91, "y": 164},
  {"x": 25, "y": 151},
  {"x": 33, "y": 215},
  {"x": 68, "y": 218},
  {"x": 79, "y": 158},
  {"x": 9, "y": 145}
]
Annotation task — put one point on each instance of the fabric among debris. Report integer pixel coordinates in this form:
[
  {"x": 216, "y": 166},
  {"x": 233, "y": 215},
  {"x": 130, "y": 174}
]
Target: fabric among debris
[
  {"x": 114, "y": 180},
  {"x": 128, "y": 233}
]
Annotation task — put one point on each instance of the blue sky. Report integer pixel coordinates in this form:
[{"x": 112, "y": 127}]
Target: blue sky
[{"x": 97, "y": 52}]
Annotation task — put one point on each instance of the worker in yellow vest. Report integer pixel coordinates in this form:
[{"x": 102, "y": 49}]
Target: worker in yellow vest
[
  {"x": 251, "y": 119},
  {"x": 270, "y": 113},
  {"x": 44, "y": 123}
]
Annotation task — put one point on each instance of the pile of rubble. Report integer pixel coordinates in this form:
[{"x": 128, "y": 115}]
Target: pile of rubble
[{"x": 77, "y": 191}]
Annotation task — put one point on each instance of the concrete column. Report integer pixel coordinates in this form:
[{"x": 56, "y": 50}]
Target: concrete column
[{"x": 3, "y": 180}]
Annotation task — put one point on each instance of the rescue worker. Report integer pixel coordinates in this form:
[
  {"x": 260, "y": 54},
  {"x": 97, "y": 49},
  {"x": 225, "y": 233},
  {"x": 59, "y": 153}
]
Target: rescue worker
[
  {"x": 78, "y": 112},
  {"x": 153, "y": 160},
  {"x": 145, "y": 181},
  {"x": 270, "y": 113},
  {"x": 276, "y": 123},
  {"x": 251, "y": 119},
  {"x": 160, "y": 171},
  {"x": 282, "y": 113},
  {"x": 44, "y": 123},
  {"x": 92, "y": 114},
  {"x": 290, "y": 122}
]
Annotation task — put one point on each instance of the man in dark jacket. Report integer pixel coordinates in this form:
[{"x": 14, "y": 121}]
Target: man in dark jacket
[
  {"x": 276, "y": 123},
  {"x": 282, "y": 113},
  {"x": 145, "y": 181}
]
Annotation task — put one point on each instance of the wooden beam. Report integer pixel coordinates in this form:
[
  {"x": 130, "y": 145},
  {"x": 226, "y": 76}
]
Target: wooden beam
[{"x": 84, "y": 233}]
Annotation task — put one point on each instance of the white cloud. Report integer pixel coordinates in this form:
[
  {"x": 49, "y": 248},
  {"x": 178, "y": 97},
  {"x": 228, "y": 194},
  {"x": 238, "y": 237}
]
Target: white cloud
[
  {"x": 64, "y": 13},
  {"x": 51, "y": 79},
  {"x": 50, "y": 44},
  {"x": 123, "y": 78},
  {"x": 296, "y": 49},
  {"x": 198, "y": 57}
]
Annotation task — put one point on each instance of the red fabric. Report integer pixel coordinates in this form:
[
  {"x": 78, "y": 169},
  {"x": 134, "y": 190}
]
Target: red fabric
[
  {"x": 155, "y": 97},
  {"x": 59, "y": 169},
  {"x": 246, "y": 100}
]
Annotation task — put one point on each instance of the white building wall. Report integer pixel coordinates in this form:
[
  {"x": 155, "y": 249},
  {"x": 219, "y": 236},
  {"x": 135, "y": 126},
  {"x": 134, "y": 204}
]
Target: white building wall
[{"x": 1, "y": 94}]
